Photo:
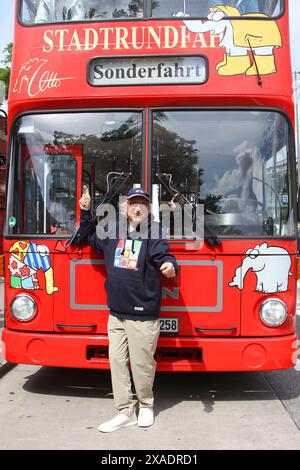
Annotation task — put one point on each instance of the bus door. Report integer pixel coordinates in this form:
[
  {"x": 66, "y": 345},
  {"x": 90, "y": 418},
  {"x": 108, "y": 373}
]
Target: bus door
[
  {"x": 46, "y": 215},
  {"x": 74, "y": 280},
  {"x": 52, "y": 176}
]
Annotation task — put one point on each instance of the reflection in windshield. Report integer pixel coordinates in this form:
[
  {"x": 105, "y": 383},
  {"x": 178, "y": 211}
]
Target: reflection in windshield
[
  {"x": 61, "y": 153},
  {"x": 53, "y": 11},
  {"x": 196, "y": 8},
  {"x": 235, "y": 163},
  {"x": 50, "y": 189}
]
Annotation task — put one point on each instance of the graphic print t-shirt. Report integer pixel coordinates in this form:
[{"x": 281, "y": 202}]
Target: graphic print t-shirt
[{"x": 127, "y": 254}]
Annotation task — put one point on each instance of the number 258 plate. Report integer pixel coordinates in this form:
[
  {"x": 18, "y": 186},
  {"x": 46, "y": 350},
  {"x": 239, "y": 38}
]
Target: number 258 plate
[{"x": 169, "y": 325}]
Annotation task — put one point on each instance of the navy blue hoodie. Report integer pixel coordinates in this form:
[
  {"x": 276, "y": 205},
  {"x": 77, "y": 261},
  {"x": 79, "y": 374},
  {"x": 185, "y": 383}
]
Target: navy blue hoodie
[{"x": 133, "y": 283}]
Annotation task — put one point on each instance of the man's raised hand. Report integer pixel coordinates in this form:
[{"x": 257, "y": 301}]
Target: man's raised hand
[{"x": 85, "y": 200}]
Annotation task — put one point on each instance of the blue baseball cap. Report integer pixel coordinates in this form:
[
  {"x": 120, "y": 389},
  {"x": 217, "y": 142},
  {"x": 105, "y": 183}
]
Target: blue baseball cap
[{"x": 138, "y": 192}]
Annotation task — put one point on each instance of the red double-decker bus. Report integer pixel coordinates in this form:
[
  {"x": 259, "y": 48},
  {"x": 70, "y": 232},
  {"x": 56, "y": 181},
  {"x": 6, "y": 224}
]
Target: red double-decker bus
[{"x": 191, "y": 100}]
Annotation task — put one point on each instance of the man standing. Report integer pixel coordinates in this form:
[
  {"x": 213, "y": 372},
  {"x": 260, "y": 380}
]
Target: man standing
[{"x": 134, "y": 266}]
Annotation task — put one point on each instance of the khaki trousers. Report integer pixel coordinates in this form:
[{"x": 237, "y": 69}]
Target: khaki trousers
[{"x": 132, "y": 341}]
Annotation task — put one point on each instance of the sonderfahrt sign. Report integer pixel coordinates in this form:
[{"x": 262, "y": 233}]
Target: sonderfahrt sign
[{"x": 150, "y": 70}]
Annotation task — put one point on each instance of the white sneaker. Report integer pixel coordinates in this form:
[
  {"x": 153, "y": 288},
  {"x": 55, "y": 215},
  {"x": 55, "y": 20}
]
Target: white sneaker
[
  {"x": 146, "y": 417},
  {"x": 117, "y": 422}
]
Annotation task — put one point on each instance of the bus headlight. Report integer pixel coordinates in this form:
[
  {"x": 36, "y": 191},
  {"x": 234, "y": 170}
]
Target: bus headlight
[
  {"x": 273, "y": 312},
  {"x": 23, "y": 308}
]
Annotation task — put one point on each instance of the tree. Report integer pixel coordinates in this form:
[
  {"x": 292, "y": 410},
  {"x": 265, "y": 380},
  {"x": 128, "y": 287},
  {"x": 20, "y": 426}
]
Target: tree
[
  {"x": 5, "y": 71},
  {"x": 8, "y": 50},
  {"x": 179, "y": 157},
  {"x": 4, "y": 77}
]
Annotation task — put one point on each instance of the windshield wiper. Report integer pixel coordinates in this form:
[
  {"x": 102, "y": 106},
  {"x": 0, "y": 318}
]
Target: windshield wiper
[
  {"x": 113, "y": 186},
  {"x": 209, "y": 236},
  {"x": 115, "y": 180},
  {"x": 259, "y": 79}
]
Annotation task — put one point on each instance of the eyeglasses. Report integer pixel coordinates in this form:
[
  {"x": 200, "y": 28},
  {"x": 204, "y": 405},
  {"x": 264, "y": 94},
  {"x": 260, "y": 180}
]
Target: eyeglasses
[{"x": 138, "y": 204}]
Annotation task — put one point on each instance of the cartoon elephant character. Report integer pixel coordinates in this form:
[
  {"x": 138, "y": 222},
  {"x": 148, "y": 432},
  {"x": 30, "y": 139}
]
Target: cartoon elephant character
[
  {"x": 271, "y": 264},
  {"x": 26, "y": 72},
  {"x": 239, "y": 37},
  {"x": 26, "y": 258}
]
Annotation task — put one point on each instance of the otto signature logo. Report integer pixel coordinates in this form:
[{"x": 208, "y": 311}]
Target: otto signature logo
[{"x": 36, "y": 79}]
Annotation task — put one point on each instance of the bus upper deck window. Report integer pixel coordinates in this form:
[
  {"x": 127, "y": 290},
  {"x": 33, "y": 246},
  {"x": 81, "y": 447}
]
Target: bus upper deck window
[
  {"x": 56, "y": 11},
  {"x": 201, "y": 9}
]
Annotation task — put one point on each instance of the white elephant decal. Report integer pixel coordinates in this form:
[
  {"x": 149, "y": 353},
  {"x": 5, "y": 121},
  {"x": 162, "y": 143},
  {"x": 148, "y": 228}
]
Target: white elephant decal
[
  {"x": 271, "y": 264},
  {"x": 28, "y": 69},
  {"x": 239, "y": 37}
]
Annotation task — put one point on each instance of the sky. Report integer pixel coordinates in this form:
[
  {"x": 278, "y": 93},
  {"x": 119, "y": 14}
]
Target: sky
[{"x": 7, "y": 14}]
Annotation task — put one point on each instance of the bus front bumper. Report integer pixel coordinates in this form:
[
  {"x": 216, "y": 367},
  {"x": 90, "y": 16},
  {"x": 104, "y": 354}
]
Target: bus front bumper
[{"x": 180, "y": 354}]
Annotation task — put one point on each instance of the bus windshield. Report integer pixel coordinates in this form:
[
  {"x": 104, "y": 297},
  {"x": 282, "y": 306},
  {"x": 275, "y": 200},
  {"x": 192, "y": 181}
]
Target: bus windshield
[
  {"x": 56, "y": 11},
  {"x": 235, "y": 163}
]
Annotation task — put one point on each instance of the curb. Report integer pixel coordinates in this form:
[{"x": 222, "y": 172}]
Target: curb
[{"x": 6, "y": 367}]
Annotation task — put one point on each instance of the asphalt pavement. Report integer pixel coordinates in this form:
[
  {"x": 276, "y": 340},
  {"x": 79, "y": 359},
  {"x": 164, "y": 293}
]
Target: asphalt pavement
[
  {"x": 286, "y": 383},
  {"x": 53, "y": 408},
  {"x": 56, "y": 408}
]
